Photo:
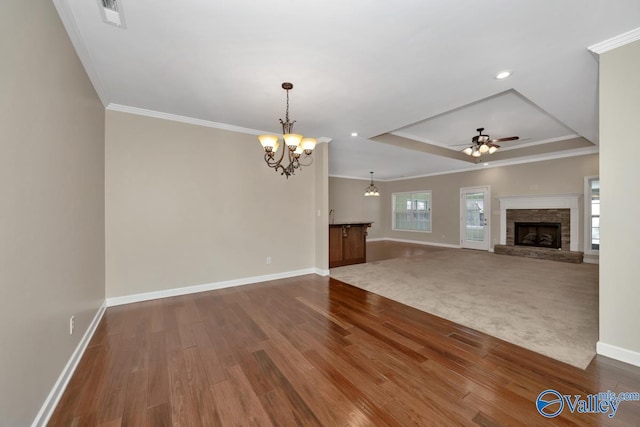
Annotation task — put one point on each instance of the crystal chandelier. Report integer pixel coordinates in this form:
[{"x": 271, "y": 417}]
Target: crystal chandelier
[
  {"x": 295, "y": 145},
  {"x": 371, "y": 190}
]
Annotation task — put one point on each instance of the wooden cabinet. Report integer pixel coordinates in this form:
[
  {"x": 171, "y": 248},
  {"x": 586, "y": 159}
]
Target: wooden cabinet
[{"x": 347, "y": 243}]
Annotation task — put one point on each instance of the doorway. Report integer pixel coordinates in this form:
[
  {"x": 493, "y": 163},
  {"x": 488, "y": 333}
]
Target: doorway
[{"x": 475, "y": 216}]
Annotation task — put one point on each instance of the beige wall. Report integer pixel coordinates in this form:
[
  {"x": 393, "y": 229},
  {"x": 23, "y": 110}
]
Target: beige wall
[
  {"x": 321, "y": 160},
  {"x": 545, "y": 177},
  {"x": 346, "y": 198},
  {"x": 51, "y": 205},
  {"x": 191, "y": 205},
  {"x": 620, "y": 198}
]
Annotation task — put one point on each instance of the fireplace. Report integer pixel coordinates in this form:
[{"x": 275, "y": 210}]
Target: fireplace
[
  {"x": 541, "y": 209},
  {"x": 540, "y": 234}
]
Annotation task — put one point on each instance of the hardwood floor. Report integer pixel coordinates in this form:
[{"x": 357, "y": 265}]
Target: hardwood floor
[{"x": 314, "y": 351}]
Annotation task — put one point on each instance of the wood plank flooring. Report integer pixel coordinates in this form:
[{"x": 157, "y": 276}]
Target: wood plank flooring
[{"x": 314, "y": 351}]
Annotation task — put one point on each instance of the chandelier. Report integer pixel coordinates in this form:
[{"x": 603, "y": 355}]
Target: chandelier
[
  {"x": 371, "y": 190},
  {"x": 295, "y": 145}
]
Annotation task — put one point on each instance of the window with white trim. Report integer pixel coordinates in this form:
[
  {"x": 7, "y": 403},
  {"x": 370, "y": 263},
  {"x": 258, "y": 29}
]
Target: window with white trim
[
  {"x": 412, "y": 211},
  {"x": 592, "y": 213}
]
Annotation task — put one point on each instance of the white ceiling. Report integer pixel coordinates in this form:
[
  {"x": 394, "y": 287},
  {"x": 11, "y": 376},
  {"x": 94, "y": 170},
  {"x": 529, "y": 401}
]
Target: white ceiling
[{"x": 413, "y": 69}]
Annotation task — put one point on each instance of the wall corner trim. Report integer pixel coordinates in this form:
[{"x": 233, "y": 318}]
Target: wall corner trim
[
  {"x": 59, "y": 387},
  {"x": 618, "y": 353}
]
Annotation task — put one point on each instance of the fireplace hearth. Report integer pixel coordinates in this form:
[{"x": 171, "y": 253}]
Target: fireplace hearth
[{"x": 538, "y": 234}]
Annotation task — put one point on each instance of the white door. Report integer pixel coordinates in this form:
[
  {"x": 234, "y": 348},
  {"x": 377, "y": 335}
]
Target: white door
[{"x": 475, "y": 217}]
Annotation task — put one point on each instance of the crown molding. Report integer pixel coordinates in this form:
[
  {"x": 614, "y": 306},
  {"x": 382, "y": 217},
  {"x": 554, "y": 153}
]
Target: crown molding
[
  {"x": 191, "y": 120},
  {"x": 181, "y": 119},
  {"x": 359, "y": 178},
  {"x": 69, "y": 23},
  {"x": 508, "y": 162},
  {"x": 615, "y": 42},
  {"x": 495, "y": 164}
]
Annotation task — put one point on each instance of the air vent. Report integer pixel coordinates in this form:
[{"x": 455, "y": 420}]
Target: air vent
[{"x": 111, "y": 11}]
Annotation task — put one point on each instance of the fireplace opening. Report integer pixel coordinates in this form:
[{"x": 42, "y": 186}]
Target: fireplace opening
[{"x": 540, "y": 234}]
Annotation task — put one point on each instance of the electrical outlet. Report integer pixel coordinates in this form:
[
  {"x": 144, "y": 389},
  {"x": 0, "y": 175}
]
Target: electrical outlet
[
  {"x": 268, "y": 260},
  {"x": 72, "y": 324}
]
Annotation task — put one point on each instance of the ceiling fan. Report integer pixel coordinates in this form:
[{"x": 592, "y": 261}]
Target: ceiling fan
[{"x": 482, "y": 144}]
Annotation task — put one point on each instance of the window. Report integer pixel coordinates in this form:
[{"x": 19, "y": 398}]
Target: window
[
  {"x": 412, "y": 211},
  {"x": 592, "y": 213}
]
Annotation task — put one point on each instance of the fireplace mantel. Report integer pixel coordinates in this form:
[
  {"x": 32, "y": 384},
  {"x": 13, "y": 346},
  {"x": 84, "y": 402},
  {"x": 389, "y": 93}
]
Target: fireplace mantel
[{"x": 542, "y": 201}]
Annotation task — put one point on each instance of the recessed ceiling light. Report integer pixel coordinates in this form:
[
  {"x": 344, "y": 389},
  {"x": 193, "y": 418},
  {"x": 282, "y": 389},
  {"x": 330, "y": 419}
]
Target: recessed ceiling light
[
  {"x": 354, "y": 133},
  {"x": 486, "y": 164},
  {"x": 503, "y": 74}
]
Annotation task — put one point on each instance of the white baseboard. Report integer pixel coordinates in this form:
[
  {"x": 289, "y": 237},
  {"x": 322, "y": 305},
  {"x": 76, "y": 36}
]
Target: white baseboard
[
  {"x": 618, "y": 353},
  {"x": 590, "y": 260},
  {"x": 377, "y": 239},
  {"x": 419, "y": 242},
  {"x": 146, "y": 296},
  {"x": 59, "y": 387},
  {"x": 321, "y": 272}
]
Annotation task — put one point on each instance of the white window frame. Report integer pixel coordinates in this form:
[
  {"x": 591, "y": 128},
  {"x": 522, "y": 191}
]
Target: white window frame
[
  {"x": 587, "y": 215},
  {"x": 393, "y": 211}
]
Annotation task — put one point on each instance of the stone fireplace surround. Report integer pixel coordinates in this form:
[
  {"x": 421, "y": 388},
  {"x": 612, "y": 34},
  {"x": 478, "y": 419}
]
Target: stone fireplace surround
[
  {"x": 542, "y": 208},
  {"x": 561, "y": 216}
]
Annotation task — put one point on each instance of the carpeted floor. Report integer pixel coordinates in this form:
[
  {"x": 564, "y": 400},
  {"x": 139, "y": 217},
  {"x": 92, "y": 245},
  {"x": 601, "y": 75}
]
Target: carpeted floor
[{"x": 546, "y": 306}]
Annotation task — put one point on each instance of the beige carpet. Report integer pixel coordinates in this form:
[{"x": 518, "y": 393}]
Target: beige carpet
[{"x": 549, "y": 307}]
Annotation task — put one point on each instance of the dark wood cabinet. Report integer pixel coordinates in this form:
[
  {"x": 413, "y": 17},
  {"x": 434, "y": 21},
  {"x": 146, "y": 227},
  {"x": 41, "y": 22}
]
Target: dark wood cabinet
[{"x": 347, "y": 243}]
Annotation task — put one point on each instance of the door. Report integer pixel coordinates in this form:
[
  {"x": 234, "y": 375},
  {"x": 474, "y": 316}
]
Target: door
[{"x": 475, "y": 218}]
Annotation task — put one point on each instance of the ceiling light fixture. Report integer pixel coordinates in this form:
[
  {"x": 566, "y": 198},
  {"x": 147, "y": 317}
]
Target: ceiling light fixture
[
  {"x": 371, "y": 190},
  {"x": 295, "y": 145},
  {"x": 354, "y": 133},
  {"x": 503, "y": 74},
  {"x": 480, "y": 144}
]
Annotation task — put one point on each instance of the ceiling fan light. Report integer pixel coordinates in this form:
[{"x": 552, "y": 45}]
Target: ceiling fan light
[
  {"x": 493, "y": 149},
  {"x": 476, "y": 153},
  {"x": 484, "y": 148},
  {"x": 468, "y": 151}
]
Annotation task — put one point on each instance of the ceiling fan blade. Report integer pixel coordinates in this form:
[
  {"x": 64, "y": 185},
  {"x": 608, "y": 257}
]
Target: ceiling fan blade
[{"x": 510, "y": 138}]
